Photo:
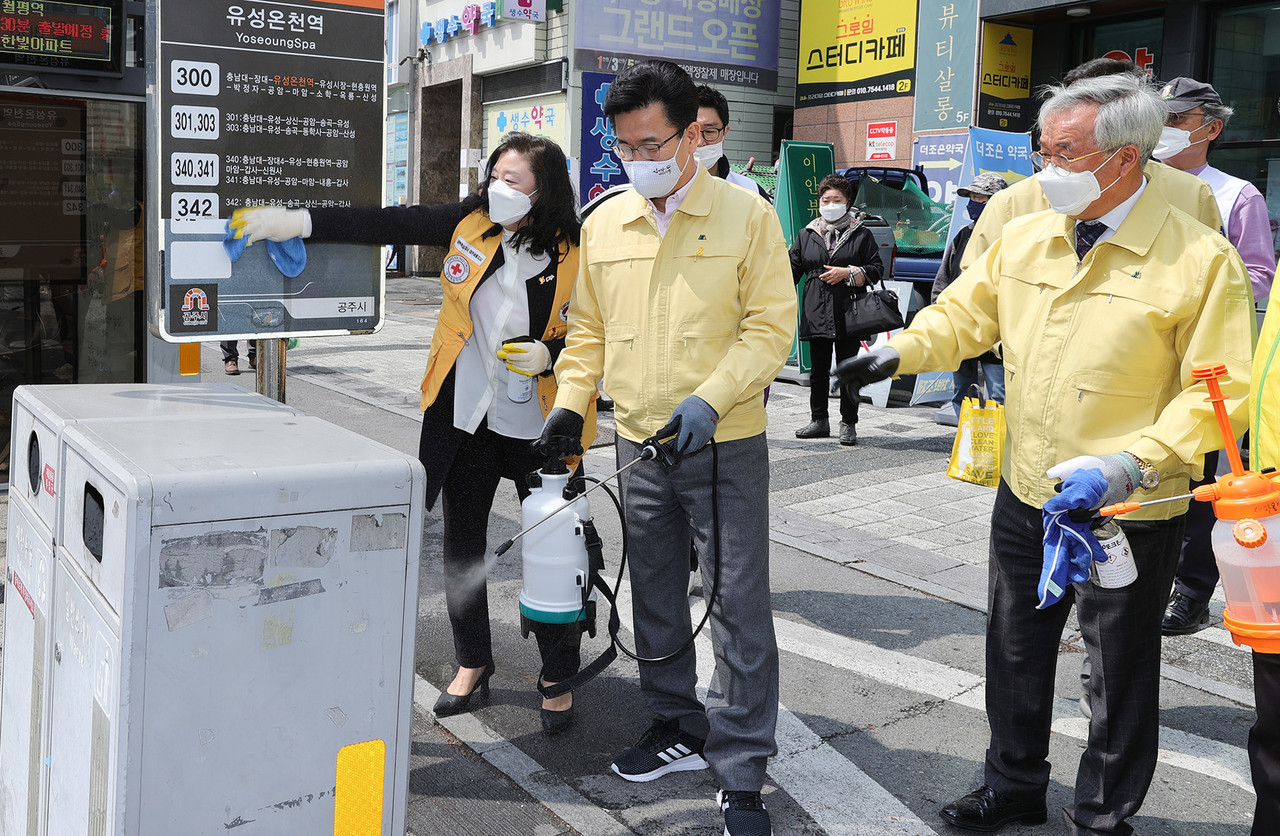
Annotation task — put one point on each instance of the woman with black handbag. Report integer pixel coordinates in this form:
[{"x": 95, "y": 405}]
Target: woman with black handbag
[{"x": 839, "y": 259}]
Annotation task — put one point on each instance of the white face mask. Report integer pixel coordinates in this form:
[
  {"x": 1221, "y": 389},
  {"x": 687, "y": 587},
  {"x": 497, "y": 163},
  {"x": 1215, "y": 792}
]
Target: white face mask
[
  {"x": 1071, "y": 192},
  {"x": 1173, "y": 141},
  {"x": 832, "y": 212},
  {"x": 506, "y": 205},
  {"x": 655, "y": 178},
  {"x": 709, "y": 155}
]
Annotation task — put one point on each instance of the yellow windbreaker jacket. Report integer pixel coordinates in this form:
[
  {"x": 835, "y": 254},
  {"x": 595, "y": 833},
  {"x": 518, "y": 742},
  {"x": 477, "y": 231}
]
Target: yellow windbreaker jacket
[
  {"x": 1264, "y": 424},
  {"x": 707, "y": 310},
  {"x": 1185, "y": 191},
  {"x": 1098, "y": 358}
]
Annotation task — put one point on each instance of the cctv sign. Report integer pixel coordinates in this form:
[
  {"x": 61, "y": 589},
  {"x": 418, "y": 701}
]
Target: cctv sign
[{"x": 882, "y": 141}]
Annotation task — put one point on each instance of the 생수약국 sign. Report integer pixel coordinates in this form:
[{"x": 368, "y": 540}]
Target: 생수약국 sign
[
  {"x": 716, "y": 41},
  {"x": 855, "y": 49},
  {"x": 598, "y": 167}
]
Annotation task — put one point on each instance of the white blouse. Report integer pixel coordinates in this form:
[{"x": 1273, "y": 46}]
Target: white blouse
[{"x": 499, "y": 311}]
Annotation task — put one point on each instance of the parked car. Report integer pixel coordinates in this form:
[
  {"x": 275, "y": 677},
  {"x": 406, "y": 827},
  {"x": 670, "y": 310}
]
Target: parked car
[{"x": 900, "y": 198}]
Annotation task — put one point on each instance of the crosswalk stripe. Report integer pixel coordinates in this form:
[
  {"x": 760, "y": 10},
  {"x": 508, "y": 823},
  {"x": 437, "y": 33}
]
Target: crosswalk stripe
[
  {"x": 1177, "y": 748},
  {"x": 839, "y": 796}
]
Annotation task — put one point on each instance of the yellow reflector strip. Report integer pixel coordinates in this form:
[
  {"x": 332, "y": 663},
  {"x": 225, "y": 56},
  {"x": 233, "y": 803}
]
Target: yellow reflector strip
[
  {"x": 358, "y": 797},
  {"x": 188, "y": 358}
]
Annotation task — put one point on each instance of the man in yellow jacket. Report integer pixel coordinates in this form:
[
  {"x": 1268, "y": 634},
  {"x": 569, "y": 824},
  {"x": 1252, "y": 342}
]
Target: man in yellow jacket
[
  {"x": 1104, "y": 305},
  {"x": 1187, "y": 192},
  {"x": 685, "y": 306}
]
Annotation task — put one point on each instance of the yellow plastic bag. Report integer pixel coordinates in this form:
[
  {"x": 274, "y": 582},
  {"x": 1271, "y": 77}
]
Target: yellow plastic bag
[{"x": 979, "y": 444}]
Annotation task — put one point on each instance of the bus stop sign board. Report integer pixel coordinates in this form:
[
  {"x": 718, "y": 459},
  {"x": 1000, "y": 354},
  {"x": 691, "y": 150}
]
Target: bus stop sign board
[{"x": 254, "y": 103}]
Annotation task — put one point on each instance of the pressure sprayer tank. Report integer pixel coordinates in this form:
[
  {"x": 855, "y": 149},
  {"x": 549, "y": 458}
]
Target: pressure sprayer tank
[
  {"x": 1246, "y": 543},
  {"x": 1246, "y": 537},
  {"x": 555, "y": 565}
]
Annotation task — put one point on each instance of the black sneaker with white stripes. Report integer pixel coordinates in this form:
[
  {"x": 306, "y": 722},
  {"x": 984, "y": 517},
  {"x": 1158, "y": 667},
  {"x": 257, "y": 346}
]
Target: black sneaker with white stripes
[
  {"x": 744, "y": 814},
  {"x": 662, "y": 749}
]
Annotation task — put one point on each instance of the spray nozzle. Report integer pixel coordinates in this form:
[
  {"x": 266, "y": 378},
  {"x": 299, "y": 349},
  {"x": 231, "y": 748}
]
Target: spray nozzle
[{"x": 661, "y": 451}]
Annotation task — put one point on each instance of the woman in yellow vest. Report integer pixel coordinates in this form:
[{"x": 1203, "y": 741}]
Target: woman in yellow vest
[{"x": 512, "y": 261}]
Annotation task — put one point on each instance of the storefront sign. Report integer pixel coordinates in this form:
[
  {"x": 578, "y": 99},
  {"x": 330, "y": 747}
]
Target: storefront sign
[
  {"x": 941, "y": 156},
  {"x": 801, "y": 167},
  {"x": 946, "y": 55},
  {"x": 397, "y": 159},
  {"x": 50, "y": 35},
  {"x": 1131, "y": 40},
  {"x": 994, "y": 152},
  {"x": 716, "y": 41},
  {"x": 469, "y": 20},
  {"x": 259, "y": 103},
  {"x": 882, "y": 141},
  {"x": 1004, "y": 97},
  {"x": 534, "y": 10},
  {"x": 852, "y": 50},
  {"x": 541, "y": 116},
  {"x": 598, "y": 167}
]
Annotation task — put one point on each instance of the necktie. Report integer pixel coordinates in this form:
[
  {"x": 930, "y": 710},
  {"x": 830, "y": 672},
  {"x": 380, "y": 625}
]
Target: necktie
[{"x": 1087, "y": 233}]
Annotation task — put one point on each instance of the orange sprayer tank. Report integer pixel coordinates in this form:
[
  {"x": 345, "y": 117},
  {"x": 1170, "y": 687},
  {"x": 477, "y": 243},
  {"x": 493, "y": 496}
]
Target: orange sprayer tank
[{"x": 1246, "y": 537}]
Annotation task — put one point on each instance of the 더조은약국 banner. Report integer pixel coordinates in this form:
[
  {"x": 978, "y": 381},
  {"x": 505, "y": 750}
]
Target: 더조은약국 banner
[
  {"x": 852, "y": 51},
  {"x": 715, "y": 41}
]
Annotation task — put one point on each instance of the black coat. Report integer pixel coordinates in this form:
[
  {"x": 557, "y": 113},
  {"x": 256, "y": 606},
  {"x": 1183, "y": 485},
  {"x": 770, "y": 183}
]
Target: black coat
[{"x": 822, "y": 314}]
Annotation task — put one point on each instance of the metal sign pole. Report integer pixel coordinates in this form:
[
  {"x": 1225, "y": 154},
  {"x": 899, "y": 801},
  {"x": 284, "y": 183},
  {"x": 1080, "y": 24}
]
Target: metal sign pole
[{"x": 270, "y": 377}]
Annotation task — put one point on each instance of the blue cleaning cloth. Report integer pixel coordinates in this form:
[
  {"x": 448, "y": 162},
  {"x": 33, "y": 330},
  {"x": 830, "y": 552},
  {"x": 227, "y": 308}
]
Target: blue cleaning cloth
[
  {"x": 1069, "y": 547},
  {"x": 289, "y": 257}
]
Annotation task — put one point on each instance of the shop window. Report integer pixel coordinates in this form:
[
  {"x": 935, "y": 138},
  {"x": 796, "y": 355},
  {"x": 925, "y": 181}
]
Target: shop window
[
  {"x": 1245, "y": 70},
  {"x": 1138, "y": 41},
  {"x": 72, "y": 251}
]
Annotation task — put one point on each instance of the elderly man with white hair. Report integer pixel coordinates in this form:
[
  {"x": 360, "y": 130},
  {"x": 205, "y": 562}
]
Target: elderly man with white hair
[{"x": 1104, "y": 305}]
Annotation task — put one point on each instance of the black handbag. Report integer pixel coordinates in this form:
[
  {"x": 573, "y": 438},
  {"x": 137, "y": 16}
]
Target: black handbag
[{"x": 871, "y": 313}]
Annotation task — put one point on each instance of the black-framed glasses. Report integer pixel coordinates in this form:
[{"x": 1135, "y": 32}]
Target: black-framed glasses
[
  {"x": 711, "y": 135},
  {"x": 644, "y": 149},
  {"x": 1174, "y": 118}
]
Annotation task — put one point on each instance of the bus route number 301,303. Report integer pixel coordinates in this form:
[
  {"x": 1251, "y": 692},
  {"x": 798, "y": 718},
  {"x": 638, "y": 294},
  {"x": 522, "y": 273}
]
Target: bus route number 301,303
[{"x": 189, "y": 122}]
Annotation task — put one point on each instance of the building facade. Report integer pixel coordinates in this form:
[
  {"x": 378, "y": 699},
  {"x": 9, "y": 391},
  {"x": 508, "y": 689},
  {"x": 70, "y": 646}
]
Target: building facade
[
  {"x": 880, "y": 79},
  {"x": 483, "y": 69}
]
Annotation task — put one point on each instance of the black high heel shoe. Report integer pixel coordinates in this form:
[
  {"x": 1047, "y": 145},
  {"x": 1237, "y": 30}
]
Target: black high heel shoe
[
  {"x": 451, "y": 704},
  {"x": 554, "y": 722}
]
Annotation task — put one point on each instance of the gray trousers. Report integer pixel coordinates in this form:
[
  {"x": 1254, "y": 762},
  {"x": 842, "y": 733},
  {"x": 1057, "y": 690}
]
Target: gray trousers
[
  {"x": 665, "y": 509},
  {"x": 1121, "y": 631}
]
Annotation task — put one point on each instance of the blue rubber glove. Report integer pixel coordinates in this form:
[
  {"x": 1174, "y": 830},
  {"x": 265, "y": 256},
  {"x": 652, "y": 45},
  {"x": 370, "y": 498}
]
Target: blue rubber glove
[
  {"x": 1070, "y": 547},
  {"x": 693, "y": 424}
]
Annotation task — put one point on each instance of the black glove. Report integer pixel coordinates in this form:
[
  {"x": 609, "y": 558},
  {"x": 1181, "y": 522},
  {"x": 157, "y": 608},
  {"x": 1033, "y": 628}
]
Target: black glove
[
  {"x": 561, "y": 435},
  {"x": 868, "y": 368}
]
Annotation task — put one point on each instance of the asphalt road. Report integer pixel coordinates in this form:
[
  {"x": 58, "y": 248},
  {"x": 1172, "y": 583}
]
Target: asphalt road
[{"x": 879, "y": 615}]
